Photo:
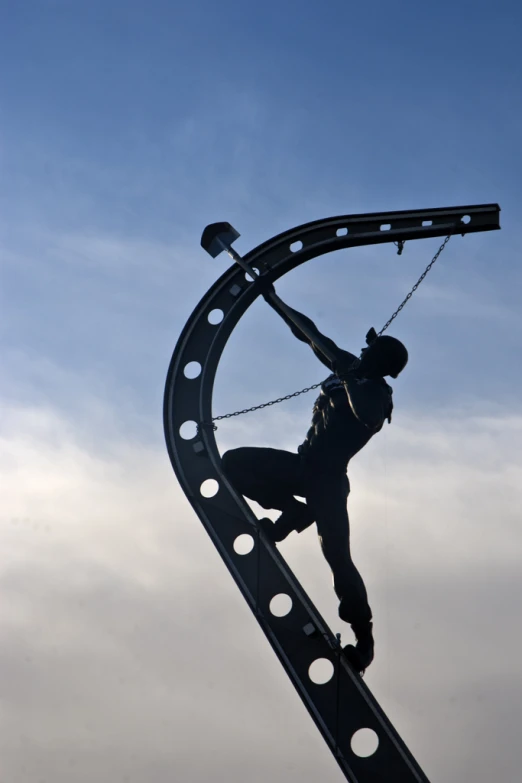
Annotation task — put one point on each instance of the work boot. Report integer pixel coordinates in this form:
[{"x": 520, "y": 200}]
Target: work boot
[
  {"x": 361, "y": 655},
  {"x": 269, "y": 529},
  {"x": 297, "y": 517}
]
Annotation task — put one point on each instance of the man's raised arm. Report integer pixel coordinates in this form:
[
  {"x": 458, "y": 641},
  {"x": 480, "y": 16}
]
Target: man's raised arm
[{"x": 306, "y": 331}]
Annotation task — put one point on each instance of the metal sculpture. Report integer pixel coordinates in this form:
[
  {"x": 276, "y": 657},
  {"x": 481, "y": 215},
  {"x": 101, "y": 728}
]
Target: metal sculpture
[{"x": 343, "y": 704}]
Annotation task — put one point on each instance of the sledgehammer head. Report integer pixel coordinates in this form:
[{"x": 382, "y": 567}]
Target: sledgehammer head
[{"x": 217, "y": 237}]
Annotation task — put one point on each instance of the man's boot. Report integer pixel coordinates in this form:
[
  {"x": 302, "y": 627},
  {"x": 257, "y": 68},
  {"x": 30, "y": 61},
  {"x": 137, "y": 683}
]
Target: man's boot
[
  {"x": 296, "y": 517},
  {"x": 361, "y": 655}
]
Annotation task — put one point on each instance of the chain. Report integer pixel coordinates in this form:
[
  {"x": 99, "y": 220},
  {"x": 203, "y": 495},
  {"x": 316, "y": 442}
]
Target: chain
[
  {"x": 417, "y": 284},
  {"x": 400, "y": 245},
  {"x": 267, "y": 404}
]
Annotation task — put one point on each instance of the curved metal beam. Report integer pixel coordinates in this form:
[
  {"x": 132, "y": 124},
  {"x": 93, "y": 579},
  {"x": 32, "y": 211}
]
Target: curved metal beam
[{"x": 343, "y": 704}]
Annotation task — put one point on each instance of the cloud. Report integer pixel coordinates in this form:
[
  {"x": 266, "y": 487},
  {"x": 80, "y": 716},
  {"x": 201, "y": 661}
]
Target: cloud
[
  {"x": 123, "y": 640},
  {"x": 128, "y": 648}
]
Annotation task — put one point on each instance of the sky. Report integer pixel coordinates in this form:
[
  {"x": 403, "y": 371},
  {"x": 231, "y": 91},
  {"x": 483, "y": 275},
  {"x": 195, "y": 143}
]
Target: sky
[{"x": 126, "y": 651}]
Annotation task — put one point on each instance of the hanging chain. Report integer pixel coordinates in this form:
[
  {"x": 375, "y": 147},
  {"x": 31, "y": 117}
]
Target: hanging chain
[
  {"x": 417, "y": 284},
  {"x": 267, "y": 404},
  {"x": 316, "y": 385}
]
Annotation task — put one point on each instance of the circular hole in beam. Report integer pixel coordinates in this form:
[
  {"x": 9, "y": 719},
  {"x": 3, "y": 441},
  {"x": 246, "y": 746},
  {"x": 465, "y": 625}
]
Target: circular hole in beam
[
  {"x": 280, "y": 605},
  {"x": 385, "y": 226},
  {"x": 243, "y": 544},
  {"x": 296, "y": 246},
  {"x": 364, "y": 742},
  {"x": 465, "y": 219},
  {"x": 192, "y": 370},
  {"x": 427, "y": 222},
  {"x": 249, "y": 277},
  {"x": 188, "y": 430},
  {"x": 209, "y": 488},
  {"x": 341, "y": 232},
  {"x": 321, "y": 671},
  {"x": 215, "y": 317}
]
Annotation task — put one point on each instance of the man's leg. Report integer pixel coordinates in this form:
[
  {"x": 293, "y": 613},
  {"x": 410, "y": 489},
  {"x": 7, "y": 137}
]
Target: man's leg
[
  {"x": 271, "y": 477},
  {"x": 327, "y": 497}
]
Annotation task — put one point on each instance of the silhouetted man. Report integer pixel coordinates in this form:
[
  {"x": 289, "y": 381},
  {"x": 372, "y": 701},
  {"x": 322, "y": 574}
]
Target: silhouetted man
[{"x": 353, "y": 405}]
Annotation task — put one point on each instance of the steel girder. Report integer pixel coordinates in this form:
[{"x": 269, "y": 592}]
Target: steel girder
[{"x": 344, "y": 703}]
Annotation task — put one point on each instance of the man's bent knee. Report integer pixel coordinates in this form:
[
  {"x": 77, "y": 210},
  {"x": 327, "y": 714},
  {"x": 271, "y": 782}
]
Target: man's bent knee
[{"x": 231, "y": 462}]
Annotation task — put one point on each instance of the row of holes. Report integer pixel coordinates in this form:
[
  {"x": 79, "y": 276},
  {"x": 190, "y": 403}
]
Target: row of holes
[
  {"x": 193, "y": 369},
  {"x": 364, "y": 741},
  {"x": 321, "y": 670},
  {"x": 342, "y": 232}
]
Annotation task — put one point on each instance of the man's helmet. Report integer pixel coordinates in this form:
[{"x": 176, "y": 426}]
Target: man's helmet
[
  {"x": 388, "y": 353},
  {"x": 395, "y": 353}
]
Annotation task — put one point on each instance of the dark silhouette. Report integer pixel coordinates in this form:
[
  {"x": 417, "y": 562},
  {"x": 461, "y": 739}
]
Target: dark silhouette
[{"x": 353, "y": 405}]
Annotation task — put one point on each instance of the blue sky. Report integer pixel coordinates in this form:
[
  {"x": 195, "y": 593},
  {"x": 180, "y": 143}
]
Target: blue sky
[
  {"x": 136, "y": 123},
  {"x": 126, "y": 127}
]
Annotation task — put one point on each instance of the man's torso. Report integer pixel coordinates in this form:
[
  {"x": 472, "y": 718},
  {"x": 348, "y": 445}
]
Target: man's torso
[{"x": 336, "y": 434}]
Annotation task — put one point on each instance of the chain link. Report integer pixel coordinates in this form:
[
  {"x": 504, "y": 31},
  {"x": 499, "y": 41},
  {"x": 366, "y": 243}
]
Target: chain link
[
  {"x": 417, "y": 284},
  {"x": 316, "y": 385}
]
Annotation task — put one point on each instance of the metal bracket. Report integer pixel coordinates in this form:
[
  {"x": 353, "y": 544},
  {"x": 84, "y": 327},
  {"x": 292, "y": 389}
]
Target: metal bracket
[{"x": 344, "y": 704}]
